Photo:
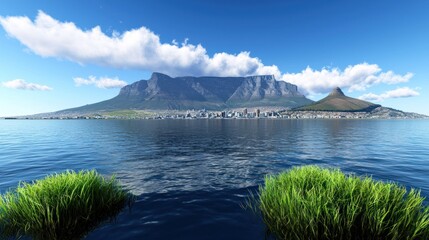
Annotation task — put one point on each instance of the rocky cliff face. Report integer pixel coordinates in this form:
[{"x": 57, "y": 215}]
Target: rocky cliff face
[
  {"x": 257, "y": 88},
  {"x": 214, "y": 93},
  {"x": 135, "y": 89},
  {"x": 337, "y": 92}
]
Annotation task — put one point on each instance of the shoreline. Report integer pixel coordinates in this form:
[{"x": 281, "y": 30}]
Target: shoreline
[{"x": 378, "y": 113}]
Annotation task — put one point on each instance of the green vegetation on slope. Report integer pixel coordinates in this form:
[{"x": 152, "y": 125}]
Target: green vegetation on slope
[
  {"x": 61, "y": 206},
  {"x": 290, "y": 102},
  {"x": 340, "y": 104},
  {"x": 337, "y": 101},
  {"x": 128, "y": 114},
  {"x": 314, "y": 203}
]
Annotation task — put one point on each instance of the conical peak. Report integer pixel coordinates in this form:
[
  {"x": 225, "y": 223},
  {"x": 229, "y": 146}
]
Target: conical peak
[{"x": 336, "y": 92}]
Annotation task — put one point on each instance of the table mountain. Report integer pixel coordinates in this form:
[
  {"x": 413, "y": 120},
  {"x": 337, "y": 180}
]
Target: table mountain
[{"x": 212, "y": 93}]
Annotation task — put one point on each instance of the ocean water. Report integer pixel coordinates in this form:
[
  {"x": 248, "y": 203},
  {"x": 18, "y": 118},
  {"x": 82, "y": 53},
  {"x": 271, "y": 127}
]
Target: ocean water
[{"x": 191, "y": 176}]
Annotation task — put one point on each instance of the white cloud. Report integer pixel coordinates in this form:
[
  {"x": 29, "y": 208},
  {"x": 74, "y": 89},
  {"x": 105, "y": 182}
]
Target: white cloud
[
  {"x": 23, "y": 85},
  {"x": 397, "y": 93},
  {"x": 102, "y": 82},
  {"x": 358, "y": 77},
  {"x": 137, "y": 48},
  {"x": 142, "y": 49}
]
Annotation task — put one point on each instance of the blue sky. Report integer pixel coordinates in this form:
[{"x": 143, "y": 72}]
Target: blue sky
[{"x": 57, "y": 55}]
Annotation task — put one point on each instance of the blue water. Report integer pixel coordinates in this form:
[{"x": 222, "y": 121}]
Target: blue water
[{"x": 191, "y": 176}]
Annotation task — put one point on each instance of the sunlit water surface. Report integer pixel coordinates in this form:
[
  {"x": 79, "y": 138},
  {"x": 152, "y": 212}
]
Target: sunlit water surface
[{"x": 191, "y": 176}]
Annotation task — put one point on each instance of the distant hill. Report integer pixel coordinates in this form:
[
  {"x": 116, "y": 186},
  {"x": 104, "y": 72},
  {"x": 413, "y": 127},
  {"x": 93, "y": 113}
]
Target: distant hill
[
  {"x": 162, "y": 92},
  {"x": 338, "y": 102}
]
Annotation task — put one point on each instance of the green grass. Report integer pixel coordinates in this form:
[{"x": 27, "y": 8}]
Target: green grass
[
  {"x": 61, "y": 206},
  {"x": 128, "y": 114},
  {"x": 315, "y": 203}
]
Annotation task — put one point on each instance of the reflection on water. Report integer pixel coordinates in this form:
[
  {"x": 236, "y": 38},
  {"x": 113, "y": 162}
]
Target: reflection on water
[
  {"x": 191, "y": 175},
  {"x": 214, "y": 214}
]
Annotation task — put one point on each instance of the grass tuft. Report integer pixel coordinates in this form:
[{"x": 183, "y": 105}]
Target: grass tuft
[
  {"x": 61, "y": 206},
  {"x": 315, "y": 203}
]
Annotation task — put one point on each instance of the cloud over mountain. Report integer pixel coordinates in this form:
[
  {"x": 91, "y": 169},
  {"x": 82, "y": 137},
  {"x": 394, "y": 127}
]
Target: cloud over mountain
[
  {"x": 102, "y": 82},
  {"x": 137, "y": 48},
  {"x": 142, "y": 49},
  {"x": 23, "y": 85},
  {"x": 397, "y": 93},
  {"x": 358, "y": 77}
]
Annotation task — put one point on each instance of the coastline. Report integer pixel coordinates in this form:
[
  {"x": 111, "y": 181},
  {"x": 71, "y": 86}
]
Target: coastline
[{"x": 378, "y": 113}]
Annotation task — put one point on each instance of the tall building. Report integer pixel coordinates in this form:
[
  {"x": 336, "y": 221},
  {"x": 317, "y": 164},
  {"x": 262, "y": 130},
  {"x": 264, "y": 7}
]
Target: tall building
[
  {"x": 258, "y": 112},
  {"x": 245, "y": 112}
]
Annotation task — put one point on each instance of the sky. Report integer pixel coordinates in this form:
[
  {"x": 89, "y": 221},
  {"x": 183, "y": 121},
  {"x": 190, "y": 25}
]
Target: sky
[{"x": 56, "y": 55}]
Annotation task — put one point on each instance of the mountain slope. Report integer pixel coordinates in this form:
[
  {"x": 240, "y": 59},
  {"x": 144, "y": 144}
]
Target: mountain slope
[
  {"x": 337, "y": 101},
  {"x": 162, "y": 92}
]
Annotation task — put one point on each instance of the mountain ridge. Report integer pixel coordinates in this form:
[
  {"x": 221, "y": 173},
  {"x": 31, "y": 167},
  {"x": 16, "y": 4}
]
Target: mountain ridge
[
  {"x": 162, "y": 92},
  {"x": 254, "y": 93},
  {"x": 337, "y": 101}
]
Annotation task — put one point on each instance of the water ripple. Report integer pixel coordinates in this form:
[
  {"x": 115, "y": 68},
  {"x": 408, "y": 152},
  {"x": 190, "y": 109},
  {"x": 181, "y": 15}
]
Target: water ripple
[{"x": 191, "y": 176}]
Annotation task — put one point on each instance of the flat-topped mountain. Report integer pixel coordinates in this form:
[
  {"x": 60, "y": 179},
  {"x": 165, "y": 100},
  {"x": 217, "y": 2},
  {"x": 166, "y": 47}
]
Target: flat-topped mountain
[
  {"x": 162, "y": 92},
  {"x": 337, "y": 101}
]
